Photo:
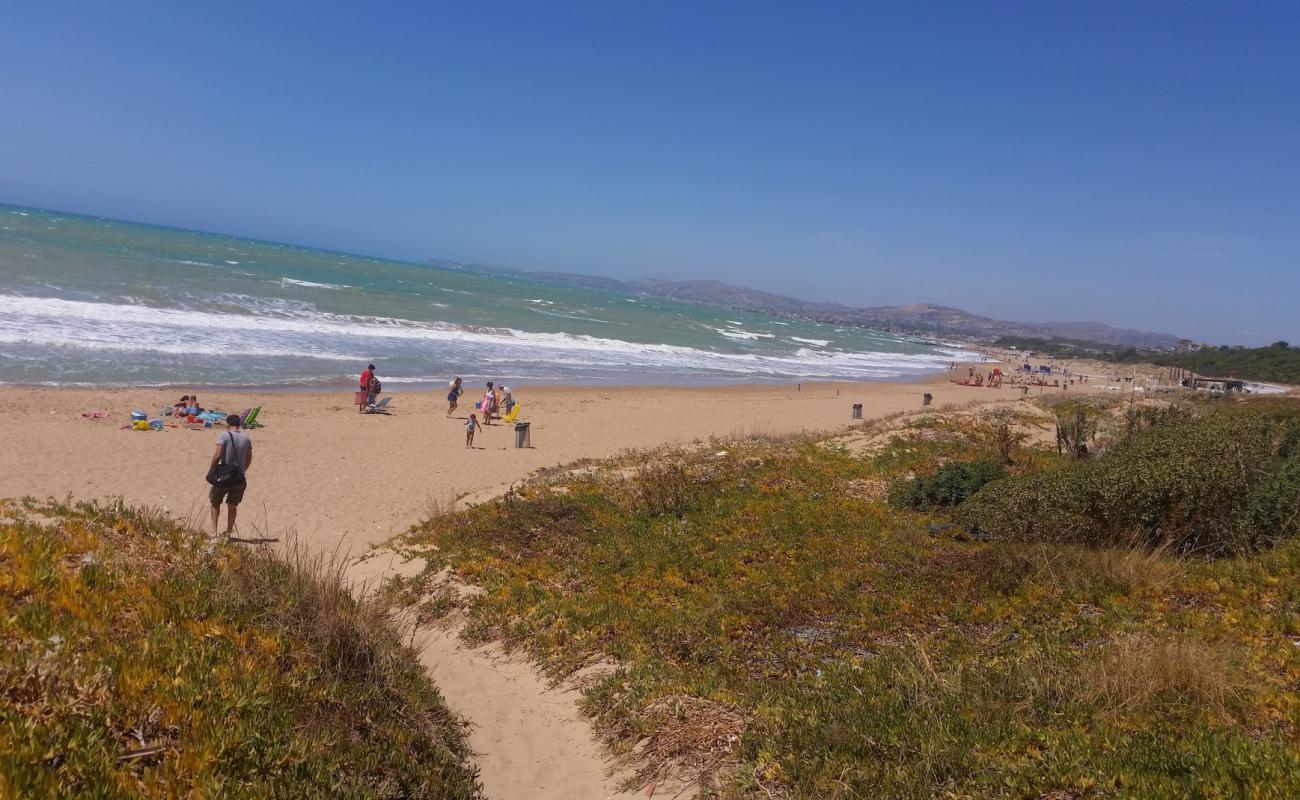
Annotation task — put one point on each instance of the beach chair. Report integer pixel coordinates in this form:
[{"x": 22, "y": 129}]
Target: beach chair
[
  {"x": 250, "y": 420},
  {"x": 510, "y": 418},
  {"x": 380, "y": 406}
]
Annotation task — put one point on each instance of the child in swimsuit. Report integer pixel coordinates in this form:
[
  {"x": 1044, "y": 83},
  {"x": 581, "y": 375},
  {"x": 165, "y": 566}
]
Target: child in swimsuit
[
  {"x": 470, "y": 427},
  {"x": 453, "y": 395}
]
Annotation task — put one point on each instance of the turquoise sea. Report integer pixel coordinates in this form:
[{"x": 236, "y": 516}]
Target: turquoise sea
[{"x": 92, "y": 301}]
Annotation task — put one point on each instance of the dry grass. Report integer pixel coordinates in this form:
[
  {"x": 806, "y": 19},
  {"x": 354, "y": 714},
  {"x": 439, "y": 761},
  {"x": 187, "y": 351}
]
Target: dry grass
[
  {"x": 690, "y": 736},
  {"x": 1074, "y": 570},
  {"x": 1140, "y": 673}
]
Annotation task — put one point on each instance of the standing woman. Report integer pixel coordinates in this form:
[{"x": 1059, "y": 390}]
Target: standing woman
[
  {"x": 488, "y": 405},
  {"x": 453, "y": 395}
]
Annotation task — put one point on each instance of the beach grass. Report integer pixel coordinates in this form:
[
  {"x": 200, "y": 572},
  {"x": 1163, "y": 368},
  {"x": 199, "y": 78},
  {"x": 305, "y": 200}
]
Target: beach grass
[
  {"x": 763, "y": 620},
  {"x": 134, "y": 663}
]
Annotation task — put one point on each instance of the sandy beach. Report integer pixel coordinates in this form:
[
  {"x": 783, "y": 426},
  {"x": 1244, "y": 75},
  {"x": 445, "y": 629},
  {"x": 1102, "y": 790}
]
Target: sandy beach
[{"x": 343, "y": 481}]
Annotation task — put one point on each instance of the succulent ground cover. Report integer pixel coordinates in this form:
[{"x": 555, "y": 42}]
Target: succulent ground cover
[
  {"x": 135, "y": 664},
  {"x": 771, "y": 624}
]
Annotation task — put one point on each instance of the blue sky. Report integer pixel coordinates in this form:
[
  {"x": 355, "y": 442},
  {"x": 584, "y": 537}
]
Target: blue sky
[{"x": 1133, "y": 163}]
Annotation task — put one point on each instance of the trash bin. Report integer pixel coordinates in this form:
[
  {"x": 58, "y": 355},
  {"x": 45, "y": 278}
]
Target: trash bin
[
  {"x": 857, "y": 411},
  {"x": 522, "y": 437},
  {"x": 926, "y": 399}
]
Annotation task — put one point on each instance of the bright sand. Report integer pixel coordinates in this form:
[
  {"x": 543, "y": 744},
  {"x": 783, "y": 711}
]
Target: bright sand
[{"x": 344, "y": 481}]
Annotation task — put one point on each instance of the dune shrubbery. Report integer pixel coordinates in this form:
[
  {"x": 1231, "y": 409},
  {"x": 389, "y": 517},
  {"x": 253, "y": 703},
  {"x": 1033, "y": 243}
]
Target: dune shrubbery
[
  {"x": 1224, "y": 482},
  {"x": 133, "y": 664}
]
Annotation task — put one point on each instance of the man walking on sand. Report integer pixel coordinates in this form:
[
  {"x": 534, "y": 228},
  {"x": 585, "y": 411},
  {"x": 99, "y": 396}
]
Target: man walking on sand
[{"x": 233, "y": 447}]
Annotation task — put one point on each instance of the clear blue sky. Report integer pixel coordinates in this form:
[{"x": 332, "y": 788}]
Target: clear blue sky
[{"x": 1134, "y": 163}]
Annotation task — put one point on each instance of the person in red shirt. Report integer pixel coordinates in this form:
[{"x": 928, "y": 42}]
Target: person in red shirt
[{"x": 368, "y": 386}]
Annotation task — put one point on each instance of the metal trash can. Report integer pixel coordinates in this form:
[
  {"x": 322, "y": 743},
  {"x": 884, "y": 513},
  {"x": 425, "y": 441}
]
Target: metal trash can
[
  {"x": 522, "y": 437},
  {"x": 857, "y": 411},
  {"x": 926, "y": 399}
]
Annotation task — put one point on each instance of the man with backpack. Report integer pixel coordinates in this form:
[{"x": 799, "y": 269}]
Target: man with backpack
[{"x": 230, "y": 461}]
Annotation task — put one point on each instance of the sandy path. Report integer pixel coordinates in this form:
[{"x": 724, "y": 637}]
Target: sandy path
[{"x": 343, "y": 481}]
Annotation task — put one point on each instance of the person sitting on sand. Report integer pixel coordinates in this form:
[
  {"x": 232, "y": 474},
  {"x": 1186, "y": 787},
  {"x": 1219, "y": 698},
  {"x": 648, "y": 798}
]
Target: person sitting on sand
[
  {"x": 188, "y": 407},
  {"x": 178, "y": 409},
  {"x": 453, "y": 395},
  {"x": 470, "y": 427}
]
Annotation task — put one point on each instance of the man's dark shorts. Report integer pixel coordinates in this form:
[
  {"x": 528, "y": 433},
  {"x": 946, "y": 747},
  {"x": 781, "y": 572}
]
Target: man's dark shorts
[{"x": 231, "y": 495}]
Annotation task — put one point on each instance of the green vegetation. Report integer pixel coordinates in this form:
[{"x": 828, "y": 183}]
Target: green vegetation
[
  {"x": 1278, "y": 362},
  {"x": 132, "y": 664},
  {"x": 949, "y": 485},
  {"x": 781, "y": 631},
  {"x": 1076, "y": 348},
  {"x": 1225, "y": 482}
]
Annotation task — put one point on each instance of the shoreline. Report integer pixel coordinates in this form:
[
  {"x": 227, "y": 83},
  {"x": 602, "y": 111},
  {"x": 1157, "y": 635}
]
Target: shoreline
[{"x": 434, "y": 386}]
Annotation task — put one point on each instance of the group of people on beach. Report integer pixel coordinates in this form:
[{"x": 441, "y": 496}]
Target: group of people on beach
[
  {"x": 187, "y": 406},
  {"x": 497, "y": 401},
  {"x": 233, "y": 454}
]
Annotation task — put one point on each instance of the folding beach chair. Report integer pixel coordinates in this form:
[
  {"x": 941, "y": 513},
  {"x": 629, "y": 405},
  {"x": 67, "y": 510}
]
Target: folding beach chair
[
  {"x": 380, "y": 406},
  {"x": 250, "y": 420},
  {"x": 510, "y": 418}
]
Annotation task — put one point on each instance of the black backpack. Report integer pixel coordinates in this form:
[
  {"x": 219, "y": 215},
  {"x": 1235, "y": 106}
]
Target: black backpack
[{"x": 225, "y": 475}]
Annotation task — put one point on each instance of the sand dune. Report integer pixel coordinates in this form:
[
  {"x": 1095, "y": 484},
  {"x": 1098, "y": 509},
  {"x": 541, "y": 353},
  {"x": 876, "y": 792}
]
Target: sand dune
[{"x": 342, "y": 481}]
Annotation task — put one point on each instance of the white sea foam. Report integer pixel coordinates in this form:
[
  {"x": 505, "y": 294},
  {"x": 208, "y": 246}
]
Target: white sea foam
[
  {"x": 561, "y": 314},
  {"x": 294, "y": 330},
  {"x": 747, "y": 335},
  {"x": 233, "y": 263},
  {"x": 181, "y": 347},
  {"x": 818, "y": 342},
  {"x": 287, "y": 282}
]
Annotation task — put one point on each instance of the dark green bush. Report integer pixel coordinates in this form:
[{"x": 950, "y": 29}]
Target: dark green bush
[
  {"x": 946, "y": 487},
  {"x": 1224, "y": 483}
]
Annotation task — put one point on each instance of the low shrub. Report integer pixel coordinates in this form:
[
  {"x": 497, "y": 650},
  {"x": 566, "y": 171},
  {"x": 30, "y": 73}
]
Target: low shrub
[
  {"x": 948, "y": 486},
  {"x": 1218, "y": 484}
]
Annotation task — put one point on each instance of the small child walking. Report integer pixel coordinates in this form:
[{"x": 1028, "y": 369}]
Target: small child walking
[{"x": 470, "y": 427}]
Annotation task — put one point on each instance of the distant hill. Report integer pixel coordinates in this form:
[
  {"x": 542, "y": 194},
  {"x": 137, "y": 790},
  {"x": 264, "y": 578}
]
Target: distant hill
[{"x": 922, "y": 318}]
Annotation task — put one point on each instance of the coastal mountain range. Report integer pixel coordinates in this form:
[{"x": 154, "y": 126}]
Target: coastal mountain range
[{"x": 919, "y": 318}]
